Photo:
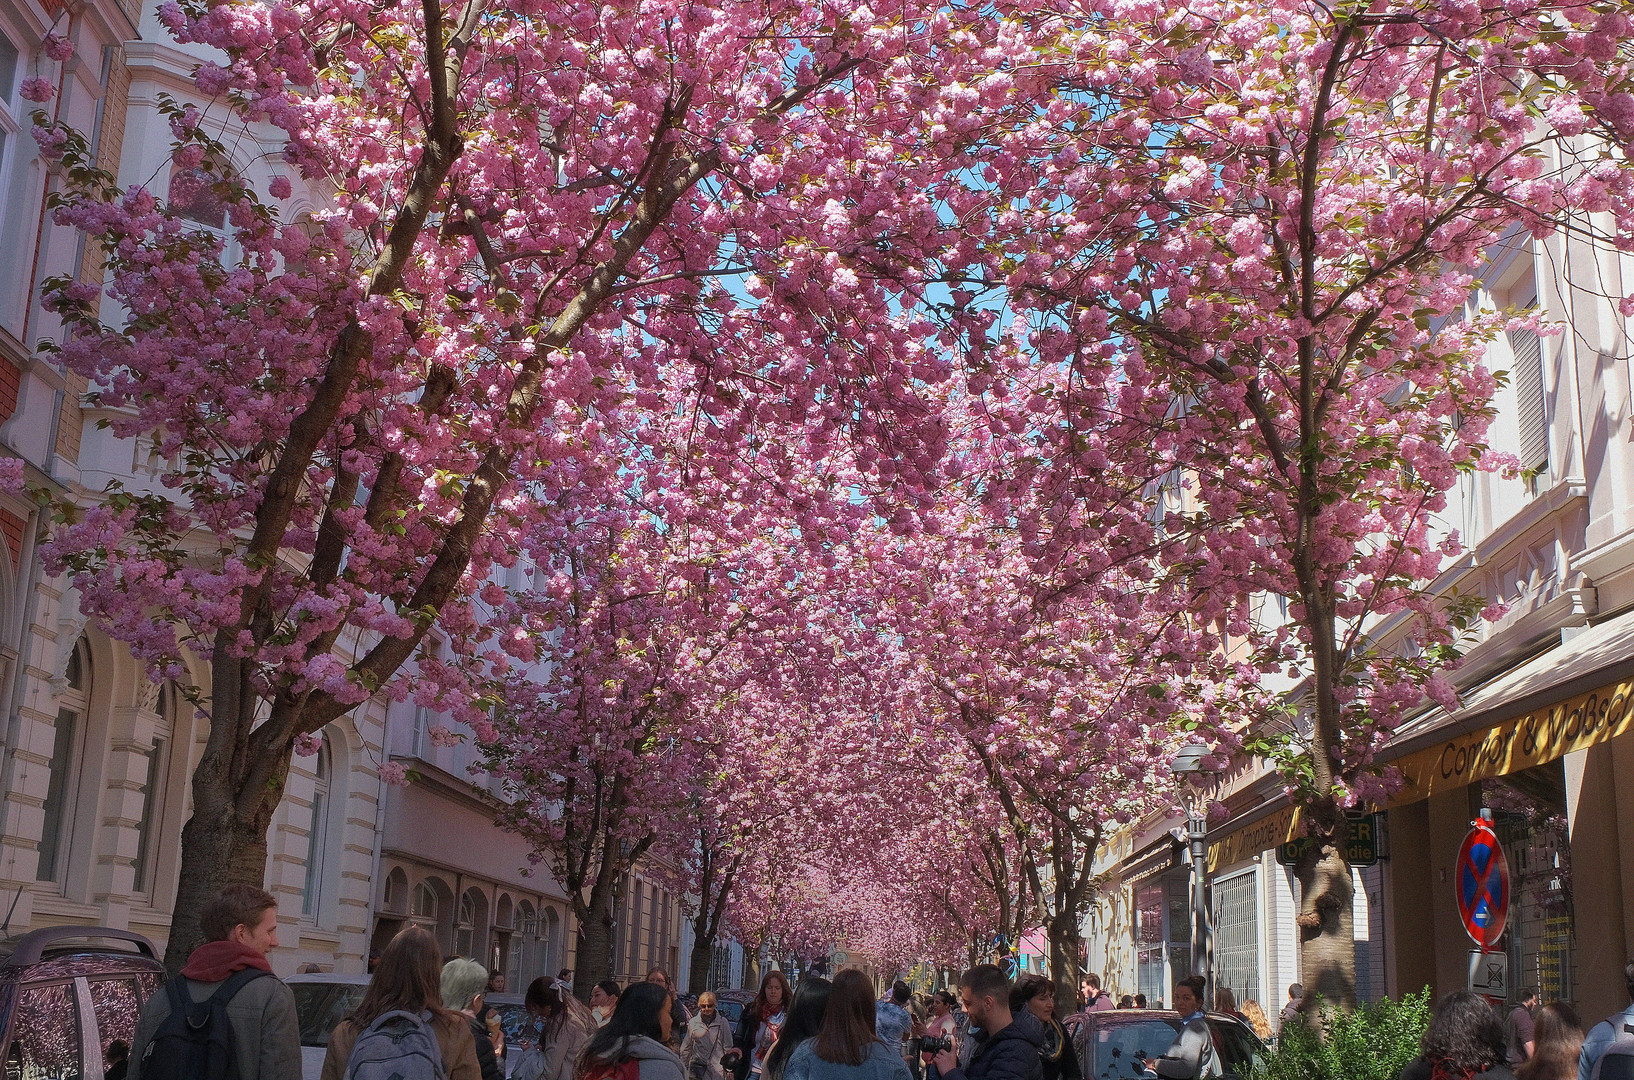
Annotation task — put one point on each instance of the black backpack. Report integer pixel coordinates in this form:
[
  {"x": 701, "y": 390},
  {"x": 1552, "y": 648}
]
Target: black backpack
[{"x": 195, "y": 1042}]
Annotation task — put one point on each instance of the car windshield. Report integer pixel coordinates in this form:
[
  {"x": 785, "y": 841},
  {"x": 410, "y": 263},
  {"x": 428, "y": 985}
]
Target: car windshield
[
  {"x": 520, "y": 1030},
  {"x": 1114, "y": 1051},
  {"x": 319, "y": 1006}
]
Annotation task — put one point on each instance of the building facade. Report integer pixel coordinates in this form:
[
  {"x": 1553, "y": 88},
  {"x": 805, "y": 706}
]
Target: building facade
[{"x": 1540, "y": 739}]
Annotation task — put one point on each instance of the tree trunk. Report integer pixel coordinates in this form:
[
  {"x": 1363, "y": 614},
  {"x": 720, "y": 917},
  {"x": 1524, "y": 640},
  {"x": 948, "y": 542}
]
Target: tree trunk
[
  {"x": 703, "y": 955},
  {"x": 1065, "y": 966},
  {"x": 595, "y": 959},
  {"x": 1327, "y": 945},
  {"x": 235, "y": 793}
]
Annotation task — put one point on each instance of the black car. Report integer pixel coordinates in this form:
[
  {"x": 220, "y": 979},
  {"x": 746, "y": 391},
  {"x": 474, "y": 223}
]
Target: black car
[
  {"x": 1114, "y": 1044},
  {"x": 67, "y": 994}
]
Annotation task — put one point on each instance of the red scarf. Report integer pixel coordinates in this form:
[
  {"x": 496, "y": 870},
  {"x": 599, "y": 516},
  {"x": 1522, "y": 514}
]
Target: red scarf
[{"x": 213, "y": 961}]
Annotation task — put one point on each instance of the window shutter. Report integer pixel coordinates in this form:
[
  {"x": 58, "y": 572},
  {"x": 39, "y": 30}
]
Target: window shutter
[{"x": 1533, "y": 419}]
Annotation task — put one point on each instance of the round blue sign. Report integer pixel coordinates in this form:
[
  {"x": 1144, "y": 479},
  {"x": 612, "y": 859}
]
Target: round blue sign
[{"x": 1482, "y": 882}]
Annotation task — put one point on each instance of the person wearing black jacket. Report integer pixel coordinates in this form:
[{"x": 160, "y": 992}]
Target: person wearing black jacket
[{"x": 1009, "y": 1044}]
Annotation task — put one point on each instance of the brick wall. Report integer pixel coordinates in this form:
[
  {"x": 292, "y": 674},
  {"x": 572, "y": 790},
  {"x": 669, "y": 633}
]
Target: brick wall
[
  {"x": 11, "y": 527},
  {"x": 11, "y": 381}
]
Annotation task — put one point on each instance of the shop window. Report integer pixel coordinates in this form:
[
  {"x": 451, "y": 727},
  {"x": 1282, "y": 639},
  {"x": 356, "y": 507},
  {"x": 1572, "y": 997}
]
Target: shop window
[
  {"x": 1529, "y": 815},
  {"x": 65, "y": 755},
  {"x": 1236, "y": 935}
]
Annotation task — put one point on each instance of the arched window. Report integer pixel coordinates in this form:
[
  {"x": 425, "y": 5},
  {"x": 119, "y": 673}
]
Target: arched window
[
  {"x": 468, "y": 928},
  {"x": 317, "y": 833},
  {"x": 425, "y": 903},
  {"x": 397, "y": 892},
  {"x": 65, "y": 753},
  {"x": 153, "y": 788},
  {"x": 518, "y": 967},
  {"x": 192, "y": 195}
]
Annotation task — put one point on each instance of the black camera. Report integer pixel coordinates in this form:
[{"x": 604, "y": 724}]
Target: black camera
[{"x": 936, "y": 1044}]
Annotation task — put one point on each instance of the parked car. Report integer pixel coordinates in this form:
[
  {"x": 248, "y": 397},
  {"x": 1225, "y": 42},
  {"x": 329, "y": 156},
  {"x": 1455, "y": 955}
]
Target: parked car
[
  {"x": 514, "y": 1020},
  {"x": 731, "y": 1003},
  {"x": 1113, "y": 1044},
  {"x": 322, "y": 1000},
  {"x": 67, "y": 993}
]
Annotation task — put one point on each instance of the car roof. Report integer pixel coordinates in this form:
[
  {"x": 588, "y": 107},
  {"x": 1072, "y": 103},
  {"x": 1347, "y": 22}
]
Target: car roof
[
  {"x": 53, "y": 942},
  {"x": 353, "y": 978}
]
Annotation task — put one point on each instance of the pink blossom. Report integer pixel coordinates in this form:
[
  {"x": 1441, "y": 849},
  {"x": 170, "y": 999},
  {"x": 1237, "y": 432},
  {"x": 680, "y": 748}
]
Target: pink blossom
[{"x": 35, "y": 88}]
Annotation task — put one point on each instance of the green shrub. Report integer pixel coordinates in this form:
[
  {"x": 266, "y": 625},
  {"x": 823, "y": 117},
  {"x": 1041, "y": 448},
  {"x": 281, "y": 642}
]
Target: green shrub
[{"x": 1369, "y": 1044}]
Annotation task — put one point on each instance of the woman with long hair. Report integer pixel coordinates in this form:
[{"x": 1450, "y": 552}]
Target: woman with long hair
[
  {"x": 761, "y": 1021},
  {"x": 1036, "y": 995},
  {"x": 1465, "y": 1041},
  {"x": 805, "y": 1018},
  {"x": 565, "y": 1025},
  {"x": 635, "y": 1033},
  {"x": 407, "y": 979},
  {"x": 1254, "y": 1013},
  {"x": 846, "y": 1047},
  {"x": 1559, "y": 1044}
]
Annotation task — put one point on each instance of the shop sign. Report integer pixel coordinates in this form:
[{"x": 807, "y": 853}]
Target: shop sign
[
  {"x": 1361, "y": 845},
  {"x": 1165, "y": 857},
  {"x": 1489, "y": 973},
  {"x": 1540, "y": 736},
  {"x": 1481, "y": 882},
  {"x": 1248, "y": 841}
]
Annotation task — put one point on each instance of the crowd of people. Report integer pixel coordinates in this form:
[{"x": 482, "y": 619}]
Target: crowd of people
[{"x": 424, "y": 1018}]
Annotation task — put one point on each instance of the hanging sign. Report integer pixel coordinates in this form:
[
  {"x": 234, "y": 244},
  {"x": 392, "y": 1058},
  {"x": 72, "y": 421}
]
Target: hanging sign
[
  {"x": 1481, "y": 881},
  {"x": 1361, "y": 843}
]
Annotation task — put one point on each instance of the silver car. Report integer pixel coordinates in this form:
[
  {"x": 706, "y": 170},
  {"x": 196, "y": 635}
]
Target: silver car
[{"x": 322, "y": 1000}]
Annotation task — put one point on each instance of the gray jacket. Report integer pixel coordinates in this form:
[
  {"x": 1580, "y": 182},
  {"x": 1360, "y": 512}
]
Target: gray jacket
[
  {"x": 266, "y": 1034},
  {"x": 1191, "y": 1055},
  {"x": 658, "y": 1062}
]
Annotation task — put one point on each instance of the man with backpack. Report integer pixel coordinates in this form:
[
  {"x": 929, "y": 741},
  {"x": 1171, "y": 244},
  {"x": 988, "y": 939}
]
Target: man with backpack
[
  {"x": 226, "y": 1016},
  {"x": 1608, "y": 1049}
]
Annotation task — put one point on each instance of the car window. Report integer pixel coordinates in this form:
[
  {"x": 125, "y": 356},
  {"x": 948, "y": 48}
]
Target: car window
[
  {"x": 732, "y": 1010},
  {"x": 45, "y": 1043},
  {"x": 320, "y": 1006},
  {"x": 520, "y": 1031},
  {"x": 117, "y": 1003},
  {"x": 1238, "y": 1053},
  {"x": 1114, "y": 1051}
]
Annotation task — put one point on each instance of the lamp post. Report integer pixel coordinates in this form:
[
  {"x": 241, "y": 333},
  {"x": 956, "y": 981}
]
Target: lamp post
[{"x": 1193, "y": 776}]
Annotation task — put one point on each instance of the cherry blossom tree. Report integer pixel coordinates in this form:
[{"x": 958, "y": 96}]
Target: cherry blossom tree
[
  {"x": 1250, "y": 235},
  {"x": 526, "y": 213}
]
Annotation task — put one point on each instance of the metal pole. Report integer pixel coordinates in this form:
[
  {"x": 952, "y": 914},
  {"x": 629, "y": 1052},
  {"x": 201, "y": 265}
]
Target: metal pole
[{"x": 1197, "y": 830}]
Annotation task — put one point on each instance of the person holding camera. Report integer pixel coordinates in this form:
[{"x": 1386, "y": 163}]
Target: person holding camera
[
  {"x": 938, "y": 1034},
  {"x": 1008, "y": 1046}
]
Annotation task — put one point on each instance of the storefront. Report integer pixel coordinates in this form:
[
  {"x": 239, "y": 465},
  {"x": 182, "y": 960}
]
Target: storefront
[{"x": 1541, "y": 747}]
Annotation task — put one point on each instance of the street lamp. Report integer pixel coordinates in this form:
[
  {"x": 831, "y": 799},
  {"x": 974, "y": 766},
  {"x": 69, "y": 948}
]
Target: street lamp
[{"x": 1194, "y": 777}]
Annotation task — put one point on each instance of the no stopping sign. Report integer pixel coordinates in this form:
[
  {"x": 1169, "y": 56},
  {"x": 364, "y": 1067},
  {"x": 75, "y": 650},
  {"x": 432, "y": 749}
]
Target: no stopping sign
[{"x": 1481, "y": 879}]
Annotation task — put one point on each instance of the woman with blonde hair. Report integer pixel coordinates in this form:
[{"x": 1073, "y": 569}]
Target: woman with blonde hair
[
  {"x": 408, "y": 979},
  {"x": 1254, "y": 1013}
]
